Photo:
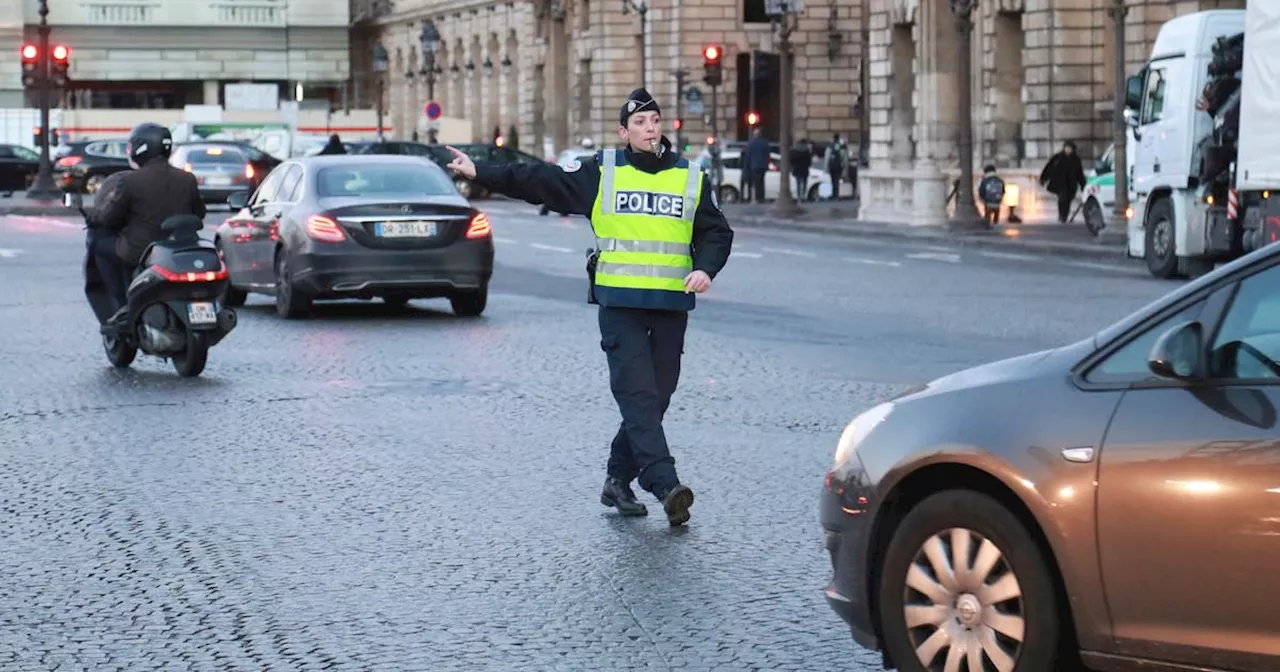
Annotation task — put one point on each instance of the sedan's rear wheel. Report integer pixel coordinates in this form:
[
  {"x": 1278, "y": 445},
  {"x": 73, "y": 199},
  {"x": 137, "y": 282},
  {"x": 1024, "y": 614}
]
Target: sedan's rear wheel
[
  {"x": 290, "y": 303},
  {"x": 964, "y": 587}
]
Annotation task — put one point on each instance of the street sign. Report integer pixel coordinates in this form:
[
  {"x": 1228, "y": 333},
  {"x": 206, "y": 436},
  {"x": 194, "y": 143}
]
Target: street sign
[
  {"x": 432, "y": 110},
  {"x": 695, "y": 106},
  {"x": 694, "y": 94}
]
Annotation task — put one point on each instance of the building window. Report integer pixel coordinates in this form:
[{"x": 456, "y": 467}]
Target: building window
[{"x": 753, "y": 11}]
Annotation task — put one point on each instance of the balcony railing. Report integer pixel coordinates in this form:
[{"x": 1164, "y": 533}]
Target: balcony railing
[
  {"x": 121, "y": 13},
  {"x": 215, "y": 13}
]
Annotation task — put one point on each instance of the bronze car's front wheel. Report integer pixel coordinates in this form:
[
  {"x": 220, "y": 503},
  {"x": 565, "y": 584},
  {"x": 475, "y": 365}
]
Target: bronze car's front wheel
[{"x": 964, "y": 588}]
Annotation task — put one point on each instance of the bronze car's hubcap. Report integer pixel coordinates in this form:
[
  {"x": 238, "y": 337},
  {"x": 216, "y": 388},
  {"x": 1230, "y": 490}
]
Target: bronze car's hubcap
[{"x": 964, "y": 606}]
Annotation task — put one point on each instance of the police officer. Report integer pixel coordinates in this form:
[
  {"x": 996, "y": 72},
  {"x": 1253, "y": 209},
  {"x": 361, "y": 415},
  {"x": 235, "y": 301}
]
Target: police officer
[
  {"x": 131, "y": 206},
  {"x": 661, "y": 239}
]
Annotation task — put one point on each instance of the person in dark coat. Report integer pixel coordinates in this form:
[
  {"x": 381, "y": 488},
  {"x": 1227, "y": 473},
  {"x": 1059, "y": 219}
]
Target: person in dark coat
[
  {"x": 1064, "y": 177},
  {"x": 757, "y": 157},
  {"x": 334, "y": 146},
  {"x": 801, "y": 161}
]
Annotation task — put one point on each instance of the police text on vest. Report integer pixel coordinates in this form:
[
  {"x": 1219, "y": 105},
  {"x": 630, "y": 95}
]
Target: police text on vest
[{"x": 648, "y": 203}]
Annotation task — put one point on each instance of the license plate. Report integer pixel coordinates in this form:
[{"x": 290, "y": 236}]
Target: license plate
[
  {"x": 202, "y": 313},
  {"x": 218, "y": 181},
  {"x": 406, "y": 229}
]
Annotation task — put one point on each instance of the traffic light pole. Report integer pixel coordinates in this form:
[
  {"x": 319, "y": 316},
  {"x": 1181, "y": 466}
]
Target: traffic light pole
[
  {"x": 785, "y": 206},
  {"x": 44, "y": 188},
  {"x": 680, "y": 75},
  {"x": 715, "y": 133}
]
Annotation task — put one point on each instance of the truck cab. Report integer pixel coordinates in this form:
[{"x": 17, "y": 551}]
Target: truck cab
[{"x": 1170, "y": 223}]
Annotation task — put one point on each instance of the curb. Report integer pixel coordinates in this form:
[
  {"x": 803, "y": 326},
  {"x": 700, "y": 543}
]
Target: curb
[
  {"x": 35, "y": 211},
  {"x": 936, "y": 234}
]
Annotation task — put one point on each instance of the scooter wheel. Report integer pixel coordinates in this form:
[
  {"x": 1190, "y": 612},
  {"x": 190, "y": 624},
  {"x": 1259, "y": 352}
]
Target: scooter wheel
[
  {"x": 190, "y": 363},
  {"x": 119, "y": 353}
]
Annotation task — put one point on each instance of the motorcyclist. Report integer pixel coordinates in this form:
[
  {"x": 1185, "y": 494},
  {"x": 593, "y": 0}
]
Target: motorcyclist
[{"x": 131, "y": 206}]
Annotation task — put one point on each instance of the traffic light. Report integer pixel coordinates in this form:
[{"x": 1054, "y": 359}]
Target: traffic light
[
  {"x": 753, "y": 119},
  {"x": 30, "y": 64},
  {"x": 678, "y": 124},
  {"x": 712, "y": 72},
  {"x": 61, "y": 64}
]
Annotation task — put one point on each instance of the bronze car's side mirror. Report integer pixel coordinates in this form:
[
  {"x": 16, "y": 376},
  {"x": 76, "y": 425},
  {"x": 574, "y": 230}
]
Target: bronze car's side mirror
[
  {"x": 1179, "y": 353},
  {"x": 238, "y": 200}
]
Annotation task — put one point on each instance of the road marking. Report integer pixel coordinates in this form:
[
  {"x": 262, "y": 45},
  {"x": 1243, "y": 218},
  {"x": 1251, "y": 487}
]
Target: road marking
[
  {"x": 45, "y": 220},
  {"x": 549, "y": 248},
  {"x": 1011, "y": 255},
  {"x": 936, "y": 256},
  {"x": 497, "y": 239},
  {"x": 872, "y": 262},
  {"x": 749, "y": 255},
  {"x": 9, "y": 254},
  {"x": 1095, "y": 265},
  {"x": 784, "y": 250}
]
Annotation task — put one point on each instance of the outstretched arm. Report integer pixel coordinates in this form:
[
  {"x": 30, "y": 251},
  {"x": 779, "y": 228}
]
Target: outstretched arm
[{"x": 570, "y": 189}]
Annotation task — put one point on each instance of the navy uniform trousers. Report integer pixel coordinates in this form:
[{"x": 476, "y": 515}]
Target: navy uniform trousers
[{"x": 643, "y": 348}]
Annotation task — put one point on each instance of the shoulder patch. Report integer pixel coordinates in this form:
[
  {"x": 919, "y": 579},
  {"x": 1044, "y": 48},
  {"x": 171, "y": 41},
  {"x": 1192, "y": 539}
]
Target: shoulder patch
[{"x": 571, "y": 166}]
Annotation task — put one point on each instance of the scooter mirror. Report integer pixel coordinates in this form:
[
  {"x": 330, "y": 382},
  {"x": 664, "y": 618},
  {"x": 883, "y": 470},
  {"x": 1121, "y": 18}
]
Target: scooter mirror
[{"x": 70, "y": 200}]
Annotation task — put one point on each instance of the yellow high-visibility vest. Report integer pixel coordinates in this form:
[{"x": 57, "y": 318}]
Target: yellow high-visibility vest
[{"x": 643, "y": 223}]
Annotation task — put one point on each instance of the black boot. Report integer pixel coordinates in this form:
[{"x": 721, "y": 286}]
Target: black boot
[
  {"x": 676, "y": 503},
  {"x": 619, "y": 495}
]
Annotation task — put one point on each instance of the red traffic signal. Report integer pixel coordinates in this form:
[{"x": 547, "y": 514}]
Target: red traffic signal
[
  {"x": 712, "y": 71},
  {"x": 678, "y": 124},
  {"x": 29, "y": 52},
  {"x": 61, "y": 52},
  {"x": 711, "y": 53},
  {"x": 752, "y": 118}
]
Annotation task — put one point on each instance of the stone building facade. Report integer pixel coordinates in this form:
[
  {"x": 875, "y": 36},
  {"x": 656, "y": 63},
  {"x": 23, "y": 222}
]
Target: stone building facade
[
  {"x": 557, "y": 70},
  {"x": 1044, "y": 74}
]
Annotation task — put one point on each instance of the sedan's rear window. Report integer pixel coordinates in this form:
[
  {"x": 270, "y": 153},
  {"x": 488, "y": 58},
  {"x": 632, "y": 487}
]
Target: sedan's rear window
[
  {"x": 370, "y": 180},
  {"x": 215, "y": 155}
]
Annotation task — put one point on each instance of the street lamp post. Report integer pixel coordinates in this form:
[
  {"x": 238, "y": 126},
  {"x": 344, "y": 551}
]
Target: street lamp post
[
  {"x": 430, "y": 43},
  {"x": 641, "y": 8},
  {"x": 1120, "y": 214},
  {"x": 44, "y": 188},
  {"x": 785, "y": 16},
  {"x": 966, "y": 217},
  {"x": 379, "y": 68}
]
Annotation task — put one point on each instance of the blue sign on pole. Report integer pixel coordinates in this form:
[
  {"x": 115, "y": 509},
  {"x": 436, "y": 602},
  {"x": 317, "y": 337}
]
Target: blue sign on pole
[{"x": 432, "y": 110}]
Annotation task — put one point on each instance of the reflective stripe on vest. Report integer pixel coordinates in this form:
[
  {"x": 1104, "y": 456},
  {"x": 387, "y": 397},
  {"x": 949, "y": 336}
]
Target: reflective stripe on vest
[{"x": 644, "y": 225}]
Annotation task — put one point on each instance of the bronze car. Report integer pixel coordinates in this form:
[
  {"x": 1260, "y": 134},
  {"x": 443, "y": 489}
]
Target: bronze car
[{"x": 1113, "y": 503}]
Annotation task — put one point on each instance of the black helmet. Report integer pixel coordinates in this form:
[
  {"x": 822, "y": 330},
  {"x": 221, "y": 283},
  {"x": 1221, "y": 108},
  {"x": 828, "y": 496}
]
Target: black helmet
[{"x": 149, "y": 141}]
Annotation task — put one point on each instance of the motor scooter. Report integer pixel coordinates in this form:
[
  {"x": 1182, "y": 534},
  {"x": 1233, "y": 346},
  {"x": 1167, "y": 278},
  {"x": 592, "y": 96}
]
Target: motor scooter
[{"x": 172, "y": 309}]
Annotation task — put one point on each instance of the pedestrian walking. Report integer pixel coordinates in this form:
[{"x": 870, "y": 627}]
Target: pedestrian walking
[
  {"x": 1064, "y": 176},
  {"x": 660, "y": 239},
  {"x": 991, "y": 190}
]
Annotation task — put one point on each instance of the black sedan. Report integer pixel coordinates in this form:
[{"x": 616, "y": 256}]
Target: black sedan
[
  {"x": 1110, "y": 502},
  {"x": 356, "y": 227},
  {"x": 18, "y": 166}
]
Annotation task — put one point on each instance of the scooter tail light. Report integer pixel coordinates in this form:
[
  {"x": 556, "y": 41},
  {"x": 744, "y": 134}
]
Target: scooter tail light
[
  {"x": 324, "y": 228},
  {"x": 192, "y": 276}
]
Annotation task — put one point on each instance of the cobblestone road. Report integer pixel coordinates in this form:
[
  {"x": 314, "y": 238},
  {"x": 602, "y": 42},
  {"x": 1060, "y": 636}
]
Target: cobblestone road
[{"x": 373, "y": 488}]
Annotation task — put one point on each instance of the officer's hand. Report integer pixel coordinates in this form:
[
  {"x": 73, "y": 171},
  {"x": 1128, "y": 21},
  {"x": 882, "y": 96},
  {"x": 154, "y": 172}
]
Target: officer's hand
[
  {"x": 697, "y": 281},
  {"x": 461, "y": 164}
]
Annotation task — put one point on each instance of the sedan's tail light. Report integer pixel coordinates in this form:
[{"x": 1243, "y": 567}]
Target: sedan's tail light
[
  {"x": 68, "y": 161},
  {"x": 325, "y": 229},
  {"x": 479, "y": 227},
  {"x": 248, "y": 171}
]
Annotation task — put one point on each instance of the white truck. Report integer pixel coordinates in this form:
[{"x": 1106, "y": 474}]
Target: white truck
[{"x": 1205, "y": 110}]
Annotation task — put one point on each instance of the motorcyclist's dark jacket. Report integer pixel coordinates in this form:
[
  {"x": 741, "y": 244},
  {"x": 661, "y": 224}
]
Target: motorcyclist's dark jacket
[{"x": 134, "y": 203}]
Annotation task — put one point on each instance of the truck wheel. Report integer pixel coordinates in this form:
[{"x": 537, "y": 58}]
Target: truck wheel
[{"x": 1161, "y": 253}]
